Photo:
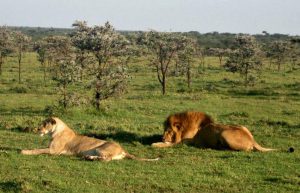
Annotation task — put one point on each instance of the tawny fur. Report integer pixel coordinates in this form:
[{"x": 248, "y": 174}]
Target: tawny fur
[
  {"x": 198, "y": 129},
  {"x": 182, "y": 126},
  {"x": 230, "y": 137},
  {"x": 64, "y": 141}
]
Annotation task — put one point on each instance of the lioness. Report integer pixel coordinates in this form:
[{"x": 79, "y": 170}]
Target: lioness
[
  {"x": 182, "y": 126},
  {"x": 218, "y": 136},
  {"x": 65, "y": 142}
]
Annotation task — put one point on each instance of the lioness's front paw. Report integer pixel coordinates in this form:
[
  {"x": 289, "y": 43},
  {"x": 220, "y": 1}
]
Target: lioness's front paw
[{"x": 25, "y": 152}]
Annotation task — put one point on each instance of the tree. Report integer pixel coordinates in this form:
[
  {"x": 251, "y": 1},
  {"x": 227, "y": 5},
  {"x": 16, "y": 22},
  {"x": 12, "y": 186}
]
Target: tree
[
  {"x": 220, "y": 53},
  {"x": 41, "y": 48},
  {"x": 294, "y": 52},
  {"x": 278, "y": 52},
  {"x": 78, "y": 38},
  {"x": 66, "y": 69},
  {"x": 21, "y": 44},
  {"x": 245, "y": 59},
  {"x": 201, "y": 54},
  {"x": 68, "y": 73},
  {"x": 164, "y": 47},
  {"x": 107, "y": 46},
  {"x": 6, "y": 46},
  {"x": 58, "y": 50},
  {"x": 186, "y": 57}
]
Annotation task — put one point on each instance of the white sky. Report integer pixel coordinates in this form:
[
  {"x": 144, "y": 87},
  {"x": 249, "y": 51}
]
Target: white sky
[{"x": 245, "y": 16}]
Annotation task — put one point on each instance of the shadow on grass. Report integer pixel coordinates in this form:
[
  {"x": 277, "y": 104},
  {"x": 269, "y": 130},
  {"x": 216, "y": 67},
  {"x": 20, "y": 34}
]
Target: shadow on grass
[
  {"x": 11, "y": 186},
  {"x": 23, "y": 111},
  {"x": 127, "y": 137},
  {"x": 4, "y": 149},
  {"x": 282, "y": 180}
]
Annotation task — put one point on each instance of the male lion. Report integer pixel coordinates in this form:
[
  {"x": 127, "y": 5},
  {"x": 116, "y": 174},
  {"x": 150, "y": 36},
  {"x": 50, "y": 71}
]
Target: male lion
[
  {"x": 65, "y": 142},
  {"x": 218, "y": 136},
  {"x": 198, "y": 129},
  {"x": 182, "y": 126}
]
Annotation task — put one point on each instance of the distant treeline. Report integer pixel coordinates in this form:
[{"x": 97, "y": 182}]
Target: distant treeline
[{"x": 206, "y": 40}]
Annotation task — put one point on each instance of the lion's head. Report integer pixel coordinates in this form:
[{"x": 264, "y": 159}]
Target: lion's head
[
  {"x": 172, "y": 132},
  {"x": 184, "y": 125},
  {"x": 46, "y": 126}
]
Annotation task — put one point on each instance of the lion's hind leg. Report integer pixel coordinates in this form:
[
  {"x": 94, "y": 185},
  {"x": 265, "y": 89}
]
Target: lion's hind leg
[
  {"x": 106, "y": 152},
  {"x": 237, "y": 139},
  {"x": 97, "y": 158},
  {"x": 94, "y": 155}
]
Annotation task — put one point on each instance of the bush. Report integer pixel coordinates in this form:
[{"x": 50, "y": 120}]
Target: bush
[{"x": 19, "y": 89}]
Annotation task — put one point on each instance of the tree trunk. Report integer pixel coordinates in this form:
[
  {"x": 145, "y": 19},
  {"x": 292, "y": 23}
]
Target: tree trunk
[
  {"x": 176, "y": 68},
  {"x": 220, "y": 60},
  {"x": 44, "y": 68},
  {"x": 19, "y": 61},
  {"x": 163, "y": 84},
  {"x": 246, "y": 78},
  {"x": 1, "y": 62},
  {"x": 189, "y": 77},
  {"x": 65, "y": 97},
  {"x": 97, "y": 100}
]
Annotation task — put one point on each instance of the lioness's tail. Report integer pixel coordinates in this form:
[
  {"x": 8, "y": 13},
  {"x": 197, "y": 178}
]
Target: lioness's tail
[
  {"x": 129, "y": 156},
  {"x": 257, "y": 147}
]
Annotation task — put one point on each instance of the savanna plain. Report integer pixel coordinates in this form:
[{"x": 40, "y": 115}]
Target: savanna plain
[{"x": 270, "y": 109}]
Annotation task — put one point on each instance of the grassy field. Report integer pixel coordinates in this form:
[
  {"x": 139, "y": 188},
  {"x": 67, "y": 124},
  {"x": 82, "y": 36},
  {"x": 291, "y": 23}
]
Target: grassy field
[{"x": 271, "y": 110}]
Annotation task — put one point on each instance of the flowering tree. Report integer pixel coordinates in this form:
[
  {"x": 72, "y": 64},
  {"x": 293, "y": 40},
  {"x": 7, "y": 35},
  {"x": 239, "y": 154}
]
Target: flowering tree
[
  {"x": 79, "y": 40},
  {"x": 6, "y": 44},
  {"x": 59, "y": 50},
  {"x": 220, "y": 53},
  {"x": 41, "y": 49},
  {"x": 164, "y": 47},
  {"x": 278, "y": 52},
  {"x": 107, "y": 46},
  {"x": 186, "y": 57},
  {"x": 21, "y": 45},
  {"x": 245, "y": 59}
]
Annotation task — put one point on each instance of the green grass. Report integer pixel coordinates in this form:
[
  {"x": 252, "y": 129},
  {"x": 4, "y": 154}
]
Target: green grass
[{"x": 271, "y": 110}]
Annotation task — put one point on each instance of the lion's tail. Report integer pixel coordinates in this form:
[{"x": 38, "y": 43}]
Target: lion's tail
[
  {"x": 257, "y": 147},
  {"x": 130, "y": 156}
]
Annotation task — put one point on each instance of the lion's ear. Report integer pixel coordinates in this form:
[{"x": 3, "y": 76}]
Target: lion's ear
[{"x": 177, "y": 125}]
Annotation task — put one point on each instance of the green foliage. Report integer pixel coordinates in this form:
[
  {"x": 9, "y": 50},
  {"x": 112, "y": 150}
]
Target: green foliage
[
  {"x": 108, "y": 73},
  {"x": 21, "y": 45},
  {"x": 245, "y": 59},
  {"x": 220, "y": 53},
  {"x": 278, "y": 52},
  {"x": 164, "y": 47},
  {"x": 19, "y": 89},
  {"x": 6, "y": 44},
  {"x": 186, "y": 59}
]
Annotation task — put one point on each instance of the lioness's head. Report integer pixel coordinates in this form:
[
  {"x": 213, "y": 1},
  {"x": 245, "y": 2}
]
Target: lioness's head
[
  {"x": 46, "y": 126},
  {"x": 172, "y": 132}
]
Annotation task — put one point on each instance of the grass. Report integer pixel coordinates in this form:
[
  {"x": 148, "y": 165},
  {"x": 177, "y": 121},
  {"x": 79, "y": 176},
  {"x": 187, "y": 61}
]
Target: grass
[{"x": 271, "y": 110}]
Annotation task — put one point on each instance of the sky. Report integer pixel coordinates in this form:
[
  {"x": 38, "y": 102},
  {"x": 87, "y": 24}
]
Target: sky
[{"x": 234, "y": 16}]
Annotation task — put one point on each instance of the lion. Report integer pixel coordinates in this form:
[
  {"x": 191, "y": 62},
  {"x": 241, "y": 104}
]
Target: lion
[
  {"x": 198, "y": 129},
  {"x": 64, "y": 141},
  {"x": 182, "y": 126},
  {"x": 226, "y": 137}
]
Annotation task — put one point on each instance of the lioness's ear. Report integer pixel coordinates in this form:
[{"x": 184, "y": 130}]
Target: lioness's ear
[{"x": 51, "y": 121}]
